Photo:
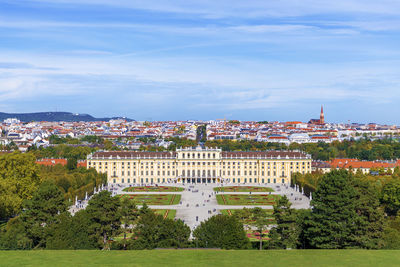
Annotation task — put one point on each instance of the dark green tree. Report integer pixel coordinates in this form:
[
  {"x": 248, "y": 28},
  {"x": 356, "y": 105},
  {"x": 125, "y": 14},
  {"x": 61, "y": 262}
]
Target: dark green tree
[
  {"x": 104, "y": 213},
  {"x": 153, "y": 231},
  {"x": 41, "y": 212},
  {"x": 332, "y": 223},
  {"x": 370, "y": 219},
  {"x": 70, "y": 232},
  {"x": 345, "y": 213},
  {"x": 391, "y": 196},
  {"x": 221, "y": 231},
  {"x": 287, "y": 232},
  {"x": 72, "y": 164},
  {"x": 129, "y": 214},
  {"x": 14, "y": 236}
]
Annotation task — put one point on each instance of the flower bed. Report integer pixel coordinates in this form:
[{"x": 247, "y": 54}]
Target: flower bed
[
  {"x": 263, "y": 200},
  {"x": 243, "y": 189},
  {"x": 254, "y": 235},
  {"x": 153, "y": 189},
  {"x": 162, "y": 199}
]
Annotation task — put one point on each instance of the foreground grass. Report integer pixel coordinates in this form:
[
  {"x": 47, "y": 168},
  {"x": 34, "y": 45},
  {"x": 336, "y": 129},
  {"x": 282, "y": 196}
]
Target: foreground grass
[{"x": 305, "y": 258}]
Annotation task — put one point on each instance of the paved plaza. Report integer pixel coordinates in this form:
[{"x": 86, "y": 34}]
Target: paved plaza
[{"x": 198, "y": 201}]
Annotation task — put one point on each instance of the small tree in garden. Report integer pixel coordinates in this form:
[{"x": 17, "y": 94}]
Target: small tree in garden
[
  {"x": 260, "y": 217},
  {"x": 286, "y": 233}
]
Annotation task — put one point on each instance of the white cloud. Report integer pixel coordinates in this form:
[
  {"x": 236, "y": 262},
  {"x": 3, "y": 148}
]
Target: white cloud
[{"x": 246, "y": 9}]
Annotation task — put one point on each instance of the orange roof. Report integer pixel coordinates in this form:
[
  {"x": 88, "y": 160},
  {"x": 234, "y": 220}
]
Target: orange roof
[
  {"x": 357, "y": 164},
  {"x": 51, "y": 162}
]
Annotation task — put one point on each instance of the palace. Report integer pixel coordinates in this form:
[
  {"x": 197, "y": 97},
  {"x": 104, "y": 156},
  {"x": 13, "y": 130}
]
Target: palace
[{"x": 200, "y": 165}]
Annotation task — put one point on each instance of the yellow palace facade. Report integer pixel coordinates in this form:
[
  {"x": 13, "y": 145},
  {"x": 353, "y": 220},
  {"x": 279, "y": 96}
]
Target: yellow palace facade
[{"x": 199, "y": 165}]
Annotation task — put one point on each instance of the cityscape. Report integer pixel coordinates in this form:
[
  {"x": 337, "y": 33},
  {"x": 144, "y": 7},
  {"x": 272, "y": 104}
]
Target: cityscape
[{"x": 199, "y": 133}]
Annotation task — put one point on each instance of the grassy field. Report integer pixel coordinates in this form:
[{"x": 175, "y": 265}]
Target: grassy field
[
  {"x": 306, "y": 258},
  {"x": 170, "y": 214},
  {"x": 159, "y": 199},
  {"x": 243, "y": 189},
  {"x": 153, "y": 189},
  {"x": 262, "y": 200}
]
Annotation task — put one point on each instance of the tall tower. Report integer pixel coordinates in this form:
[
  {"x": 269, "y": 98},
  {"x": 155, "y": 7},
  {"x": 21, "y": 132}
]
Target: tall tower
[{"x": 321, "y": 116}]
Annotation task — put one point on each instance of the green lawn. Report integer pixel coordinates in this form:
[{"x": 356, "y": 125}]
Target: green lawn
[
  {"x": 261, "y": 200},
  {"x": 170, "y": 214},
  {"x": 153, "y": 189},
  {"x": 306, "y": 258},
  {"x": 159, "y": 199},
  {"x": 243, "y": 189}
]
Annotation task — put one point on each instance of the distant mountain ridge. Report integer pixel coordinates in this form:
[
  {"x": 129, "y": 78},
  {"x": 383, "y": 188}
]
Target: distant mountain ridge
[{"x": 54, "y": 116}]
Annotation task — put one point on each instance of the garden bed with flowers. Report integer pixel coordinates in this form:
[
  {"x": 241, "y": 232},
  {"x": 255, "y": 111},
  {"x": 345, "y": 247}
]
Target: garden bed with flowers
[
  {"x": 244, "y": 200},
  {"x": 159, "y": 199},
  {"x": 243, "y": 189},
  {"x": 153, "y": 189}
]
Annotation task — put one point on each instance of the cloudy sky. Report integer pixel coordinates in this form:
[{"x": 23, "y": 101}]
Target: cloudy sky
[{"x": 203, "y": 59}]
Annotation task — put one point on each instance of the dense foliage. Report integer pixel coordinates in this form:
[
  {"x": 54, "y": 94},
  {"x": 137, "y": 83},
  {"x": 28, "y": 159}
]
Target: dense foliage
[
  {"x": 221, "y": 231},
  {"x": 19, "y": 179}
]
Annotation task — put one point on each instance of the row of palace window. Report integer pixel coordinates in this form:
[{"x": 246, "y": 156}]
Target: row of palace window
[
  {"x": 163, "y": 180},
  {"x": 193, "y": 155},
  {"x": 168, "y": 173},
  {"x": 199, "y": 163},
  {"x": 199, "y": 173}
]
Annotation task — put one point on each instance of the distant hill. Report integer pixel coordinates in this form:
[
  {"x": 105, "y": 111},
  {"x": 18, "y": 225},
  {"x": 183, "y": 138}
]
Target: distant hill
[{"x": 54, "y": 116}]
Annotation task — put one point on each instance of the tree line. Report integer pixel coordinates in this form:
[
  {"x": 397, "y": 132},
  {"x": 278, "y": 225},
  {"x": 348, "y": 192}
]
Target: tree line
[
  {"x": 20, "y": 177},
  {"x": 346, "y": 212}
]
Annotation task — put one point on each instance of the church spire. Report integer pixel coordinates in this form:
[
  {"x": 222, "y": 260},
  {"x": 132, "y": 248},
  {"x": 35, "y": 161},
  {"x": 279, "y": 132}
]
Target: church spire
[{"x": 321, "y": 116}]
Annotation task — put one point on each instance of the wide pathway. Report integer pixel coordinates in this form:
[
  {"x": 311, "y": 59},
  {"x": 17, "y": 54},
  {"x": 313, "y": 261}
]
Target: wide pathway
[{"x": 198, "y": 201}]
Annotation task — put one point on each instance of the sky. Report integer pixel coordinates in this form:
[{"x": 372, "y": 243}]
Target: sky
[{"x": 277, "y": 60}]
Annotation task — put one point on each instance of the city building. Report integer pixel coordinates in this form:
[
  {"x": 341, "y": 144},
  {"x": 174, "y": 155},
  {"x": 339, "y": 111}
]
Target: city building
[{"x": 200, "y": 165}]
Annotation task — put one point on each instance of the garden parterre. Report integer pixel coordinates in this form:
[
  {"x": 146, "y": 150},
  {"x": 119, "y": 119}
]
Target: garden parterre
[
  {"x": 153, "y": 189},
  {"x": 232, "y": 199},
  {"x": 243, "y": 189},
  {"x": 159, "y": 199}
]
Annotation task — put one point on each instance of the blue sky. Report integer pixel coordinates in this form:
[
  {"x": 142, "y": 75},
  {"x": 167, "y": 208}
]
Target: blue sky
[{"x": 202, "y": 59}]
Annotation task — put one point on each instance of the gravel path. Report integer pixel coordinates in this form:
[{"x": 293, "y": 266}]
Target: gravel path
[{"x": 198, "y": 202}]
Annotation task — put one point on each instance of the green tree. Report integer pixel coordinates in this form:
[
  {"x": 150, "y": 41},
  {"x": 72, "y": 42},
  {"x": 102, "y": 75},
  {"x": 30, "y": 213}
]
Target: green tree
[
  {"x": 103, "y": 211},
  {"x": 332, "y": 223},
  {"x": 391, "y": 196},
  {"x": 221, "y": 231},
  {"x": 41, "y": 211},
  {"x": 70, "y": 232},
  {"x": 153, "y": 231},
  {"x": 370, "y": 219},
  {"x": 72, "y": 164},
  {"x": 261, "y": 222},
  {"x": 345, "y": 213},
  {"x": 391, "y": 234},
  {"x": 287, "y": 232},
  {"x": 129, "y": 214},
  {"x": 19, "y": 179},
  {"x": 14, "y": 236}
]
